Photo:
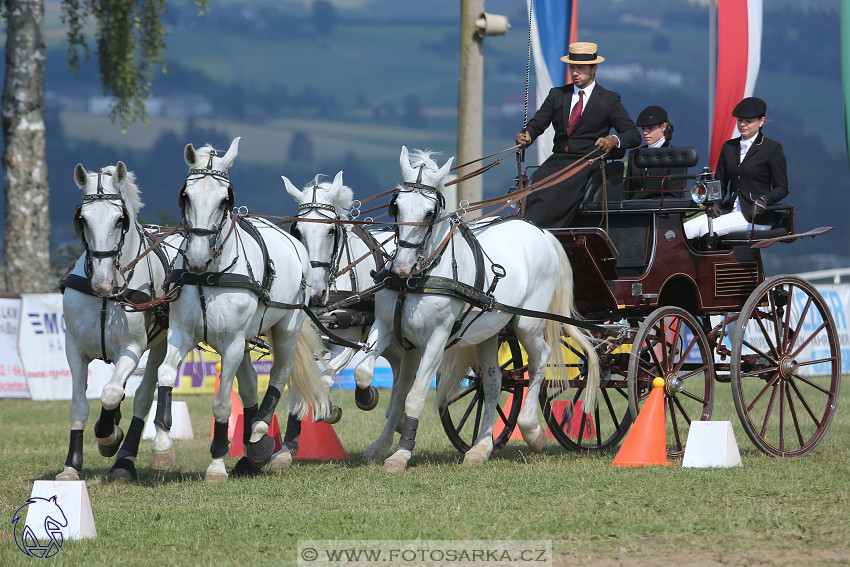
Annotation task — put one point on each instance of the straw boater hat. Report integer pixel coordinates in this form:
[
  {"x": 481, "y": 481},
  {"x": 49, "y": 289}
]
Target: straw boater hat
[{"x": 582, "y": 53}]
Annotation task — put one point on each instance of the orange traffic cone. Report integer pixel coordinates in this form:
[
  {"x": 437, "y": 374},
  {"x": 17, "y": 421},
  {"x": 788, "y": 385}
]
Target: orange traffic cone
[
  {"x": 235, "y": 406},
  {"x": 318, "y": 441},
  {"x": 646, "y": 443},
  {"x": 499, "y": 425},
  {"x": 237, "y": 448}
]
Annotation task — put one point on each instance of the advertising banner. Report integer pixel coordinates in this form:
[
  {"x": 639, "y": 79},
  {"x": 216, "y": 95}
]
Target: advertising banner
[{"x": 13, "y": 381}]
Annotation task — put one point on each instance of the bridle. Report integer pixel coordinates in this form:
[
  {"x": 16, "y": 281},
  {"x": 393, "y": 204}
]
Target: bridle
[
  {"x": 428, "y": 191},
  {"x": 336, "y": 253},
  {"x": 196, "y": 174},
  {"x": 125, "y": 226}
]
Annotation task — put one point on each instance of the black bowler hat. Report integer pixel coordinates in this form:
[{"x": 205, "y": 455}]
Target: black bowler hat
[
  {"x": 750, "y": 107},
  {"x": 651, "y": 115}
]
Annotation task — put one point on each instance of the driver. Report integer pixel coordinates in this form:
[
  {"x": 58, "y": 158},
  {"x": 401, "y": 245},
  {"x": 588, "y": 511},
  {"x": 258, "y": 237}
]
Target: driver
[{"x": 582, "y": 115}]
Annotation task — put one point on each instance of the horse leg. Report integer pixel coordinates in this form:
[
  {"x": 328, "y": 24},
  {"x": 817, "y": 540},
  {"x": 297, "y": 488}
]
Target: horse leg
[
  {"x": 366, "y": 395},
  {"x": 491, "y": 377},
  {"x": 125, "y": 461},
  {"x": 404, "y": 374},
  {"x": 415, "y": 400},
  {"x": 246, "y": 376},
  {"x": 79, "y": 409},
  {"x": 109, "y": 435},
  {"x": 530, "y": 334},
  {"x": 163, "y": 456},
  {"x": 231, "y": 359}
]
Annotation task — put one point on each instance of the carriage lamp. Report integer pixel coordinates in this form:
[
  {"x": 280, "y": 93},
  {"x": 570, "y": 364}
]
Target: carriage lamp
[{"x": 705, "y": 189}]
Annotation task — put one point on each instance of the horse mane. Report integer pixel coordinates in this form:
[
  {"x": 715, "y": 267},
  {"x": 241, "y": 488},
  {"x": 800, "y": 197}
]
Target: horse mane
[
  {"x": 423, "y": 157},
  {"x": 342, "y": 201},
  {"x": 129, "y": 191}
]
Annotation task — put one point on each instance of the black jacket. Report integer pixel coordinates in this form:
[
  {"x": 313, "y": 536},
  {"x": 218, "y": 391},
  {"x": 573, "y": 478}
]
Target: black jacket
[
  {"x": 763, "y": 172},
  {"x": 602, "y": 112}
]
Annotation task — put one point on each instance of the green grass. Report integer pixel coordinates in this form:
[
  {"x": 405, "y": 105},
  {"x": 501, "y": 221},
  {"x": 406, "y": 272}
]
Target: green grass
[{"x": 769, "y": 511}]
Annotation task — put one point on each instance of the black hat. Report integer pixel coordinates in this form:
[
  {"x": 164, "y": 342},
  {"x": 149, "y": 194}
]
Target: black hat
[
  {"x": 651, "y": 115},
  {"x": 750, "y": 107}
]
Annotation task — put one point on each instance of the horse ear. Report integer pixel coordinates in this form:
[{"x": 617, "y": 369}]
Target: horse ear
[
  {"x": 446, "y": 168},
  {"x": 189, "y": 154},
  {"x": 337, "y": 184},
  {"x": 407, "y": 172},
  {"x": 120, "y": 173},
  {"x": 291, "y": 189},
  {"x": 80, "y": 176},
  {"x": 228, "y": 158}
]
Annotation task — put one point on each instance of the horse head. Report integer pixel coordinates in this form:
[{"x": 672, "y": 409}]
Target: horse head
[
  {"x": 110, "y": 203},
  {"x": 319, "y": 204},
  {"x": 416, "y": 207},
  {"x": 206, "y": 200}
]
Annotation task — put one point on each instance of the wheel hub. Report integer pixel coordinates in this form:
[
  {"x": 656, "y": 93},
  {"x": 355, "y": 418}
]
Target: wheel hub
[
  {"x": 673, "y": 385},
  {"x": 788, "y": 367}
]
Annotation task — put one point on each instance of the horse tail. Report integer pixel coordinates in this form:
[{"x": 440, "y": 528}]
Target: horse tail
[
  {"x": 563, "y": 303},
  {"x": 305, "y": 382},
  {"x": 455, "y": 366}
]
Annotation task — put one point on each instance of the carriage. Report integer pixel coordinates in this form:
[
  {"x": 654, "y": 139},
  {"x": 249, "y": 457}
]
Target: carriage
[{"x": 693, "y": 314}]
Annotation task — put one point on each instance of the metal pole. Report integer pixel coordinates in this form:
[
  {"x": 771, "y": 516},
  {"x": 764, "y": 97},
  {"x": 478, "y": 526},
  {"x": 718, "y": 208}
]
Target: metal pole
[
  {"x": 470, "y": 99},
  {"x": 712, "y": 65}
]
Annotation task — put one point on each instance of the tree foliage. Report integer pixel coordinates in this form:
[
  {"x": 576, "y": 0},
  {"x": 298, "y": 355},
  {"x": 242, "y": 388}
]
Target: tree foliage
[{"x": 130, "y": 41}]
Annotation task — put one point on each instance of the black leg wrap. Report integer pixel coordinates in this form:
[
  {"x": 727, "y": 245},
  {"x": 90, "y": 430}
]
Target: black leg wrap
[
  {"x": 220, "y": 446},
  {"x": 104, "y": 426},
  {"x": 245, "y": 468},
  {"x": 75, "y": 450},
  {"x": 133, "y": 436},
  {"x": 269, "y": 404},
  {"x": 249, "y": 415},
  {"x": 366, "y": 398},
  {"x": 260, "y": 452},
  {"x": 163, "y": 408},
  {"x": 408, "y": 434},
  {"x": 293, "y": 431}
]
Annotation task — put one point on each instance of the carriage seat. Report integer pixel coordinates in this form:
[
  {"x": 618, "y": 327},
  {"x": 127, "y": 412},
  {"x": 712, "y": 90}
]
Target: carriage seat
[
  {"x": 594, "y": 191},
  {"x": 783, "y": 227},
  {"x": 676, "y": 160}
]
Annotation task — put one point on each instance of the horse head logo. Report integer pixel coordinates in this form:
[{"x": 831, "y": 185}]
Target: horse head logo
[{"x": 46, "y": 514}]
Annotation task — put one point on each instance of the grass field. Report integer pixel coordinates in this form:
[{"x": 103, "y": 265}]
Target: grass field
[{"x": 767, "y": 512}]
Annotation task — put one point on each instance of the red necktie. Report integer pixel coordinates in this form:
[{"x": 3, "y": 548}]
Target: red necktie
[{"x": 575, "y": 113}]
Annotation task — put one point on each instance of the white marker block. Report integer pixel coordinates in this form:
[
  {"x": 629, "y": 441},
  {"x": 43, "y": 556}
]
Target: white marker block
[
  {"x": 54, "y": 503},
  {"x": 181, "y": 425},
  {"x": 711, "y": 444}
]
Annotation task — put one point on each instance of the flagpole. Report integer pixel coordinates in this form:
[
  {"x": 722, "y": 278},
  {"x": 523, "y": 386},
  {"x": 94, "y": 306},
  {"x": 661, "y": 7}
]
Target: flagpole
[{"x": 712, "y": 66}]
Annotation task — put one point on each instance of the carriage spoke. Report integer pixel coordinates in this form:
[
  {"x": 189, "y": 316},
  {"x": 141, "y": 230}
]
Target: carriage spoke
[
  {"x": 758, "y": 317},
  {"x": 768, "y": 385},
  {"x": 693, "y": 396},
  {"x": 769, "y": 410},
  {"x": 793, "y": 411},
  {"x": 804, "y": 402},
  {"x": 675, "y": 400},
  {"x": 468, "y": 412},
  {"x": 812, "y": 384},
  {"x": 781, "y": 391},
  {"x": 759, "y": 352},
  {"x": 675, "y": 423},
  {"x": 811, "y": 337},
  {"x": 460, "y": 395},
  {"x": 801, "y": 320}
]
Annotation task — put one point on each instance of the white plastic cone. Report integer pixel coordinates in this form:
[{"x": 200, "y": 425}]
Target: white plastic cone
[
  {"x": 711, "y": 444},
  {"x": 59, "y": 502}
]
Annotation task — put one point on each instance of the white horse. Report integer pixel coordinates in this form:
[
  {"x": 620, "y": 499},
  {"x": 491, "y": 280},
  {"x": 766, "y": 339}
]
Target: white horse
[
  {"x": 240, "y": 276},
  {"x": 520, "y": 266},
  {"x": 98, "y": 327},
  {"x": 343, "y": 259}
]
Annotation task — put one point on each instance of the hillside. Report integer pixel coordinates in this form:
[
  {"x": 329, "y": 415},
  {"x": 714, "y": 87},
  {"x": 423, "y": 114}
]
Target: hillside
[{"x": 380, "y": 74}]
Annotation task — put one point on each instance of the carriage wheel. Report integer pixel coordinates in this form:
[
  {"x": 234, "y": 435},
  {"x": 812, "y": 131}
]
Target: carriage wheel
[
  {"x": 461, "y": 416},
  {"x": 563, "y": 404},
  {"x": 671, "y": 344},
  {"x": 786, "y": 367}
]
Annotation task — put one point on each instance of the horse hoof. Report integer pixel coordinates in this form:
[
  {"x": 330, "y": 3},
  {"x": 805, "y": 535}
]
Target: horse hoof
[
  {"x": 373, "y": 455},
  {"x": 537, "y": 440},
  {"x": 281, "y": 460},
  {"x": 260, "y": 452},
  {"x": 366, "y": 398},
  {"x": 335, "y": 416},
  {"x": 394, "y": 466},
  {"x": 108, "y": 449},
  {"x": 245, "y": 469},
  {"x": 215, "y": 476},
  {"x": 163, "y": 460},
  {"x": 70, "y": 473},
  {"x": 475, "y": 457},
  {"x": 123, "y": 469}
]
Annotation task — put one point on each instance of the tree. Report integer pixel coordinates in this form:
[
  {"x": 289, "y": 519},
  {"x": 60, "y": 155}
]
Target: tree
[{"x": 130, "y": 42}]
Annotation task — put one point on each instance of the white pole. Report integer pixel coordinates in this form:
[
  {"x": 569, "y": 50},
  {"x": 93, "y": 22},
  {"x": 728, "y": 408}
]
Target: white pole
[{"x": 470, "y": 99}]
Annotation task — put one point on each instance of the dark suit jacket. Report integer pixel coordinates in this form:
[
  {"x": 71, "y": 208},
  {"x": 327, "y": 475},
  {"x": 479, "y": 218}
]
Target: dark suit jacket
[
  {"x": 763, "y": 172},
  {"x": 645, "y": 183},
  {"x": 602, "y": 112}
]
